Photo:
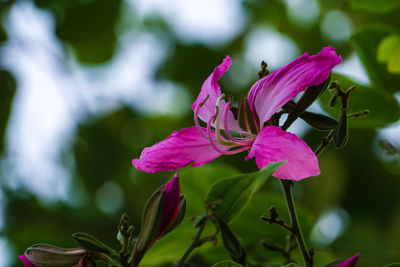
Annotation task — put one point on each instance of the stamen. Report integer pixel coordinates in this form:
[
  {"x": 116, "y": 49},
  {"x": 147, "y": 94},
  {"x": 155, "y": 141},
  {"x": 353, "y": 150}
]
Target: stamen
[
  {"x": 217, "y": 128},
  {"x": 196, "y": 116},
  {"x": 228, "y": 134},
  {"x": 216, "y": 148}
]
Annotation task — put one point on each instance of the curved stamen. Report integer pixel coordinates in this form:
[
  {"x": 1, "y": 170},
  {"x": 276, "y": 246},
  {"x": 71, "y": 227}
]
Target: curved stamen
[
  {"x": 217, "y": 128},
  {"x": 196, "y": 116},
  {"x": 226, "y": 128},
  {"x": 214, "y": 145}
]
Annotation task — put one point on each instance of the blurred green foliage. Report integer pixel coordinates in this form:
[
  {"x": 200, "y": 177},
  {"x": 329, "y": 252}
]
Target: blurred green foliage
[{"x": 353, "y": 178}]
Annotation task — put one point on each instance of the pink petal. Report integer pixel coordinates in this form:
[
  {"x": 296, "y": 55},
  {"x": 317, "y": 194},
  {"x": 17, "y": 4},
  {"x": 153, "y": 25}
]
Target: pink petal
[
  {"x": 25, "y": 261},
  {"x": 274, "y": 145},
  {"x": 178, "y": 150},
  {"x": 270, "y": 93},
  {"x": 171, "y": 204},
  {"x": 212, "y": 89},
  {"x": 350, "y": 262}
]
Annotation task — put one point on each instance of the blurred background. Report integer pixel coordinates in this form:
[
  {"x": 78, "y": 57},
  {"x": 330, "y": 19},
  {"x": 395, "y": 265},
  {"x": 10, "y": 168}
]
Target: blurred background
[{"x": 85, "y": 85}]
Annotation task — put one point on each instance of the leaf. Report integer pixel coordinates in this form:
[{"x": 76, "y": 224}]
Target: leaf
[
  {"x": 381, "y": 6},
  {"x": 233, "y": 194},
  {"x": 231, "y": 242},
  {"x": 90, "y": 242},
  {"x": 393, "y": 265},
  {"x": 291, "y": 265},
  {"x": 394, "y": 62},
  {"x": 382, "y": 105},
  {"x": 366, "y": 43},
  {"x": 227, "y": 263},
  {"x": 387, "y": 47}
]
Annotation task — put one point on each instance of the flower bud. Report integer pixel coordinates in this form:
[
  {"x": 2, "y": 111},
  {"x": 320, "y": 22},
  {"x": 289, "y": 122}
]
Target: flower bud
[
  {"x": 25, "y": 261},
  {"x": 319, "y": 121},
  {"x": 309, "y": 96},
  {"x": 350, "y": 262},
  {"x": 86, "y": 261},
  {"x": 341, "y": 134},
  {"x": 47, "y": 255},
  {"x": 91, "y": 243},
  {"x": 163, "y": 212},
  {"x": 231, "y": 242}
]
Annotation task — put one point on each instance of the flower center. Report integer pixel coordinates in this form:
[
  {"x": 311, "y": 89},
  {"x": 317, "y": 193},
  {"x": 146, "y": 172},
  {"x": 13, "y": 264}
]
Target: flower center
[{"x": 216, "y": 139}]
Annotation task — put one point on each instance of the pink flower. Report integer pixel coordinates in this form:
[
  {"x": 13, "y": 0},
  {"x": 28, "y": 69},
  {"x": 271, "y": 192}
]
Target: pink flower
[
  {"x": 25, "y": 261},
  {"x": 350, "y": 262},
  {"x": 253, "y": 130}
]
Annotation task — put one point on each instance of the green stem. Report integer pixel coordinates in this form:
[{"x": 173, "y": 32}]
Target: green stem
[
  {"x": 287, "y": 190},
  {"x": 194, "y": 244}
]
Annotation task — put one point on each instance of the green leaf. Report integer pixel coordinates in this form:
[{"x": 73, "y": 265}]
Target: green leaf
[
  {"x": 90, "y": 242},
  {"x": 389, "y": 51},
  {"x": 394, "y": 62},
  {"x": 381, "y": 6},
  {"x": 233, "y": 194},
  {"x": 393, "y": 265},
  {"x": 366, "y": 43},
  {"x": 387, "y": 47},
  {"x": 382, "y": 105},
  {"x": 227, "y": 263},
  {"x": 291, "y": 265},
  {"x": 231, "y": 242}
]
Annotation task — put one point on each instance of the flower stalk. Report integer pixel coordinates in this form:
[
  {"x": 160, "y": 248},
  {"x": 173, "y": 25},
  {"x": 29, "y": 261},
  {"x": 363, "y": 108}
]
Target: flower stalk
[
  {"x": 296, "y": 230},
  {"x": 196, "y": 242}
]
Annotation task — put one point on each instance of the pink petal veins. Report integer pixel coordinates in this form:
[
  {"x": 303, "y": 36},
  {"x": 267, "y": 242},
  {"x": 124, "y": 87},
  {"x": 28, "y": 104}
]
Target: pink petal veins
[
  {"x": 212, "y": 89},
  {"x": 178, "y": 150},
  {"x": 274, "y": 145},
  {"x": 269, "y": 94}
]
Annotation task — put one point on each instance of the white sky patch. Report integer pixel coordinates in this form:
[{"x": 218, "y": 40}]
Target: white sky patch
[
  {"x": 330, "y": 226},
  {"x": 353, "y": 68},
  {"x": 269, "y": 45},
  {"x": 211, "y": 22},
  {"x": 110, "y": 198},
  {"x": 5, "y": 253},
  {"x": 303, "y": 12},
  {"x": 337, "y": 26},
  {"x": 3, "y": 203},
  {"x": 55, "y": 93},
  {"x": 42, "y": 114}
]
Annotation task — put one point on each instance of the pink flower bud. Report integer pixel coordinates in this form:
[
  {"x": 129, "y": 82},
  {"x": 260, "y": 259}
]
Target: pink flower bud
[
  {"x": 164, "y": 211},
  {"x": 171, "y": 204},
  {"x": 25, "y": 261},
  {"x": 350, "y": 262}
]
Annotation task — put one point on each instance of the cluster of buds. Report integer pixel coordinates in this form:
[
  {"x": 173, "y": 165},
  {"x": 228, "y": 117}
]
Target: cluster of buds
[{"x": 163, "y": 213}]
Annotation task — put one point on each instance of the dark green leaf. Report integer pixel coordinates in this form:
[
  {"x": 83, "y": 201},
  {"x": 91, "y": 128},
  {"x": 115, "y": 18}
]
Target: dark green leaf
[
  {"x": 381, "y": 6},
  {"x": 227, "y": 263},
  {"x": 393, "y": 265},
  {"x": 231, "y": 242},
  {"x": 231, "y": 195}
]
